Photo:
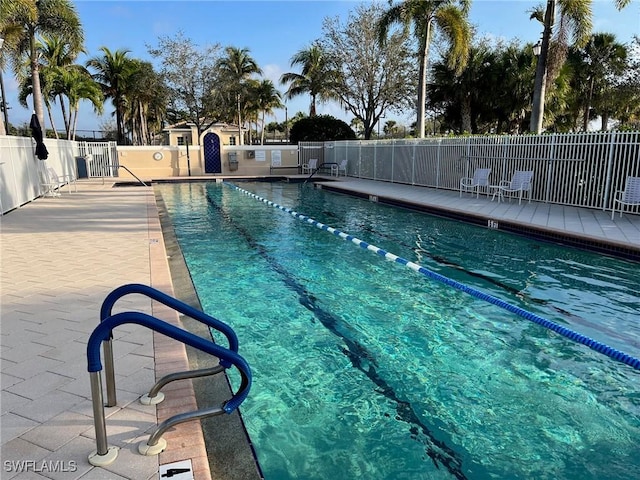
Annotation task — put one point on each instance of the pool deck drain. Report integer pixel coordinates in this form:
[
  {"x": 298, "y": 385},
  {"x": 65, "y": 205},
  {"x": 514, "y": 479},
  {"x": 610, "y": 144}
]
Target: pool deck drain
[{"x": 61, "y": 257}]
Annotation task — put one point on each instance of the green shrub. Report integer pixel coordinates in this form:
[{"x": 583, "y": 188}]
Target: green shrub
[{"x": 320, "y": 128}]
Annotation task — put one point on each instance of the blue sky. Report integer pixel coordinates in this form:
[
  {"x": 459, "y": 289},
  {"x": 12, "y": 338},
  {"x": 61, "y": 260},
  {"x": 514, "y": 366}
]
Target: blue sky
[{"x": 274, "y": 30}]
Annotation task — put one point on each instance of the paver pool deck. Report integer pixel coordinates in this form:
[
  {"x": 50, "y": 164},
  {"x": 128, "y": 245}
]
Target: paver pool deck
[{"x": 61, "y": 256}]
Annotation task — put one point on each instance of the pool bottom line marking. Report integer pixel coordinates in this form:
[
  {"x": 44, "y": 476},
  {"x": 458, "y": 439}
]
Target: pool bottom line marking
[
  {"x": 555, "y": 327},
  {"x": 361, "y": 359}
]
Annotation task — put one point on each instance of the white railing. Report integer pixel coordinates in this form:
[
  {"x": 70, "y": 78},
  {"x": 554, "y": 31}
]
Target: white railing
[
  {"x": 582, "y": 169},
  {"x": 20, "y": 169}
]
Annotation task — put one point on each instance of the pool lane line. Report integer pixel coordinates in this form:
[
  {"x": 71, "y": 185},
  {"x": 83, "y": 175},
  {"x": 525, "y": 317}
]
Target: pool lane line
[
  {"x": 361, "y": 359},
  {"x": 565, "y": 332},
  {"x": 521, "y": 294},
  {"x": 417, "y": 249}
]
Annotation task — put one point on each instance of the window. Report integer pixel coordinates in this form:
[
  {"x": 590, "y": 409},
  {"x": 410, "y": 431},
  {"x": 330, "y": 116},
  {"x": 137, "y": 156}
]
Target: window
[
  {"x": 232, "y": 140},
  {"x": 181, "y": 140}
]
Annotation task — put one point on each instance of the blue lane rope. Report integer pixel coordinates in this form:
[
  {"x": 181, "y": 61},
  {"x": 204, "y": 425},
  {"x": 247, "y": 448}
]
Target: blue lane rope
[{"x": 568, "y": 333}]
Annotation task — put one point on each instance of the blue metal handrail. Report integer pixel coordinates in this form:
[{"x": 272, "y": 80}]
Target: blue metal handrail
[
  {"x": 103, "y": 332},
  {"x": 106, "y": 311},
  {"x": 112, "y": 298}
]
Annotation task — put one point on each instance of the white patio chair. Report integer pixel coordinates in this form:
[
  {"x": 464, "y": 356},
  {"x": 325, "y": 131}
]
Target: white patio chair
[
  {"x": 480, "y": 179},
  {"x": 342, "y": 168},
  {"x": 520, "y": 183},
  {"x": 336, "y": 168},
  {"x": 630, "y": 196},
  {"x": 52, "y": 182},
  {"x": 310, "y": 166}
]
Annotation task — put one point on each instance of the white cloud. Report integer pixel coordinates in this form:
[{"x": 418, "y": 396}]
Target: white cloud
[{"x": 273, "y": 72}]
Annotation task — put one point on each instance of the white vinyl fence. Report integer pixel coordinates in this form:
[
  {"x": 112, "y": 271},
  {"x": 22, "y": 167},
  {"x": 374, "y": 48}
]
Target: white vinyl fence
[
  {"x": 582, "y": 169},
  {"x": 21, "y": 171}
]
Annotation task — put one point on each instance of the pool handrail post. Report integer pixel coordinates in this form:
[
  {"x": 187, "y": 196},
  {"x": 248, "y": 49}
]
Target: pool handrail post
[
  {"x": 98, "y": 413},
  {"x": 103, "y": 455},
  {"x": 109, "y": 372}
]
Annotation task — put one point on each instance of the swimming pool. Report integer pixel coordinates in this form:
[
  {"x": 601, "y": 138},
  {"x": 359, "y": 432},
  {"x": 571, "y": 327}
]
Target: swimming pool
[{"x": 364, "y": 369}]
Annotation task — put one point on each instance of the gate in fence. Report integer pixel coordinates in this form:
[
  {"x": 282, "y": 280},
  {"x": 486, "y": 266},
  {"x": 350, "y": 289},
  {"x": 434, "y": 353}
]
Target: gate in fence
[{"x": 101, "y": 158}]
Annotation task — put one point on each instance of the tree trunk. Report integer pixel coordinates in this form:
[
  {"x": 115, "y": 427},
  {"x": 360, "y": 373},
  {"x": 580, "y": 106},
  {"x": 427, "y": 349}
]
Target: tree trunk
[
  {"x": 38, "y": 104},
  {"x": 73, "y": 115},
  {"x": 117, "y": 102},
  {"x": 587, "y": 107},
  {"x": 144, "y": 129},
  {"x": 240, "y": 135},
  {"x": 540, "y": 85},
  {"x": 422, "y": 82},
  {"x": 312, "y": 107},
  {"x": 465, "y": 115},
  {"x": 65, "y": 118},
  {"x": 53, "y": 126}
]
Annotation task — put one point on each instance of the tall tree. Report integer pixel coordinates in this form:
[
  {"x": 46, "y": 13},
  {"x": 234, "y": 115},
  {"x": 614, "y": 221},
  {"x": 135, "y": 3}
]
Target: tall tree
[
  {"x": 189, "y": 72},
  {"x": 236, "y": 67},
  {"x": 369, "y": 77},
  {"x": 573, "y": 28},
  {"x": 491, "y": 94},
  {"x": 113, "y": 71},
  {"x": 315, "y": 79},
  {"x": 267, "y": 97},
  {"x": 57, "y": 56},
  {"x": 425, "y": 16},
  {"x": 146, "y": 98},
  {"x": 463, "y": 94},
  {"x": 625, "y": 98},
  {"x": 77, "y": 85},
  {"x": 605, "y": 60},
  {"x": 22, "y": 22}
]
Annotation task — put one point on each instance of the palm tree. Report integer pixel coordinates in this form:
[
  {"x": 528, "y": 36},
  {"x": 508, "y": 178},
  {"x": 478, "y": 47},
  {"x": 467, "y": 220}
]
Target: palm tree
[
  {"x": 450, "y": 17},
  {"x": 267, "y": 98},
  {"x": 49, "y": 86},
  {"x": 57, "y": 56},
  {"x": 315, "y": 79},
  {"x": 113, "y": 71},
  {"x": 513, "y": 74},
  {"x": 605, "y": 60},
  {"x": 22, "y": 22},
  {"x": 358, "y": 126},
  {"x": 237, "y": 67},
  {"x": 390, "y": 128},
  {"x": 79, "y": 85},
  {"x": 575, "y": 21},
  {"x": 146, "y": 101}
]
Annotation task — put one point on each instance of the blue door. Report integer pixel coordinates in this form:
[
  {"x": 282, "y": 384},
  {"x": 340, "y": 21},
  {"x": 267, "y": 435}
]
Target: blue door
[{"x": 212, "y": 159}]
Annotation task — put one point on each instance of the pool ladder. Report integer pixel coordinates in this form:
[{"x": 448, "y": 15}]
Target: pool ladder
[{"x": 228, "y": 357}]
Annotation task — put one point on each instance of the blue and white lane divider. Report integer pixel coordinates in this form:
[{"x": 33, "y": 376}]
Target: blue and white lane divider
[{"x": 570, "y": 334}]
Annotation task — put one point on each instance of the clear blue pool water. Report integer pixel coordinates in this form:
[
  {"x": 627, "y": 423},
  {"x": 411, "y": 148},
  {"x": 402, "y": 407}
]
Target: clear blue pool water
[{"x": 365, "y": 369}]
